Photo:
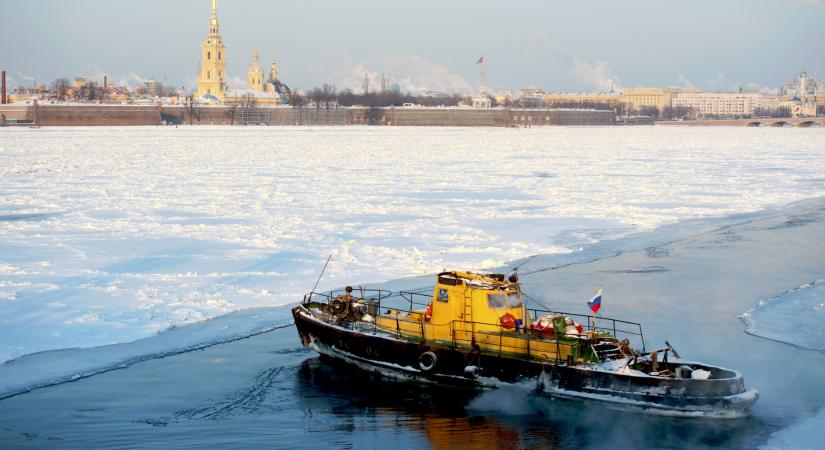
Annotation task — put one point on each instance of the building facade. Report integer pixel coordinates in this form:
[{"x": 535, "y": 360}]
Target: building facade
[
  {"x": 798, "y": 108},
  {"x": 255, "y": 75},
  {"x": 640, "y": 100},
  {"x": 800, "y": 86},
  {"x": 581, "y": 100},
  {"x": 212, "y": 77},
  {"x": 722, "y": 104}
]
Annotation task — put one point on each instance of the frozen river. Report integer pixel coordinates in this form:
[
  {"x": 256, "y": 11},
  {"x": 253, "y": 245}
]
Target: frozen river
[{"x": 109, "y": 235}]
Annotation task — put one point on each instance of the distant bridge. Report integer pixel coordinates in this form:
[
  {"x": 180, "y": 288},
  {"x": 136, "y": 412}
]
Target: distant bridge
[{"x": 801, "y": 122}]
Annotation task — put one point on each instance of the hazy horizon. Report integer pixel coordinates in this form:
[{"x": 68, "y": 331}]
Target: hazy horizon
[{"x": 425, "y": 45}]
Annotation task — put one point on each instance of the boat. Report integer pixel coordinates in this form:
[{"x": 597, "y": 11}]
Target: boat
[{"x": 475, "y": 331}]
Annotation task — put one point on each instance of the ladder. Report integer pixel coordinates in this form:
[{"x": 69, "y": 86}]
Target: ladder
[{"x": 468, "y": 305}]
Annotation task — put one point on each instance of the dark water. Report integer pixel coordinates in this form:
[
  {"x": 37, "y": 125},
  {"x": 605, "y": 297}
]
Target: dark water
[{"x": 268, "y": 392}]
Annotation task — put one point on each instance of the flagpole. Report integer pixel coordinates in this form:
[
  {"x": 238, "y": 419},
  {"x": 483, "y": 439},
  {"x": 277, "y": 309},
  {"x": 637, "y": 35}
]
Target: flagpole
[{"x": 596, "y": 312}]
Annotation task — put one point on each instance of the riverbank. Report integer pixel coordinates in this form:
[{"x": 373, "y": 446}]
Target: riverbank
[
  {"x": 141, "y": 115},
  {"x": 777, "y": 122}
]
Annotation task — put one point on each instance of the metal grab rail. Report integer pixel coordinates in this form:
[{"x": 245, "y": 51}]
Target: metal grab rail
[
  {"x": 411, "y": 296},
  {"x": 371, "y": 297},
  {"x": 375, "y": 294},
  {"x": 529, "y": 336},
  {"x": 636, "y": 328}
]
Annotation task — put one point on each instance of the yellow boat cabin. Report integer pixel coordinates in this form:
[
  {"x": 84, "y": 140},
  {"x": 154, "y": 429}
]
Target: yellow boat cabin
[{"x": 485, "y": 312}]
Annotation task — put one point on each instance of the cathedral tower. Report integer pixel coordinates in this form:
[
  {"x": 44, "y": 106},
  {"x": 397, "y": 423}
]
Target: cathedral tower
[
  {"x": 255, "y": 75},
  {"x": 273, "y": 73},
  {"x": 212, "y": 78}
]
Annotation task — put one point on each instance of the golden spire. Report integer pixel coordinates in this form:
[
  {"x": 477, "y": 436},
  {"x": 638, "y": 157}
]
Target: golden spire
[
  {"x": 213, "y": 23},
  {"x": 273, "y": 72}
]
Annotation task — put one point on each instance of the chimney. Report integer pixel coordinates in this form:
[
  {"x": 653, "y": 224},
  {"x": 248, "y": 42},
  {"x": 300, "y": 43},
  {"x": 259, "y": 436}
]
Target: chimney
[{"x": 3, "y": 95}]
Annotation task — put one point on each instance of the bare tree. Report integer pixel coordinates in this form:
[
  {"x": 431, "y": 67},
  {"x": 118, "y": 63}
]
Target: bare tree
[
  {"x": 195, "y": 111},
  {"x": 329, "y": 94},
  {"x": 650, "y": 111},
  {"x": 346, "y": 97},
  {"x": 317, "y": 97},
  {"x": 249, "y": 101},
  {"x": 90, "y": 91},
  {"x": 243, "y": 109},
  {"x": 297, "y": 100},
  {"x": 233, "y": 109},
  {"x": 60, "y": 88},
  {"x": 374, "y": 115}
]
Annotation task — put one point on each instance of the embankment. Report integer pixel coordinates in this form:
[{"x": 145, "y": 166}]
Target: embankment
[{"x": 120, "y": 115}]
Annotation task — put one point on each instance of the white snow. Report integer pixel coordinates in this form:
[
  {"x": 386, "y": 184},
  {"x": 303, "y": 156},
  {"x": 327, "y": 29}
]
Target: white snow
[
  {"x": 114, "y": 234},
  {"x": 700, "y": 374}
]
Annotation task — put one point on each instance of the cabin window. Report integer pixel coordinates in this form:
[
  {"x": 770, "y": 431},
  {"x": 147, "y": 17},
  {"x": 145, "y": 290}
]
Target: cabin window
[
  {"x": 514, "y": 300},
  {"x": 497, "y": 301},
  {"x": 500, "y": 301},
  {"x": 443, "y": 295}
]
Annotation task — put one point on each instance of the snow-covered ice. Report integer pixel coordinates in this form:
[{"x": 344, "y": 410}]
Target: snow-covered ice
[
  {"x": 795, "y": 317},
  {"x": 804, "y": 435},
  {"x": 114, "y": 234}
]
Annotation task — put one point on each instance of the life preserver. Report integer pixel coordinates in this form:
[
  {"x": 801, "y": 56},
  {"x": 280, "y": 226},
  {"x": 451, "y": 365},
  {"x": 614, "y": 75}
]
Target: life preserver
[
  {"x": 427, "y": 361},
  {"x": 429, "y": 314},
  {"x": 507, "y": 321}
]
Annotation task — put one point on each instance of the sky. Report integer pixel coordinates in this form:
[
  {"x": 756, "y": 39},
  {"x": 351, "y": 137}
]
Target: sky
[{"x": 554, "y": 45}]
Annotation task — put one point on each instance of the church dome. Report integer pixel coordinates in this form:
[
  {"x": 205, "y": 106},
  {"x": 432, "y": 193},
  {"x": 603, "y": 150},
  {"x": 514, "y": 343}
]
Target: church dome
[
  {"x": 209, "y": 98},
  {"x": 278, "y": 87}
]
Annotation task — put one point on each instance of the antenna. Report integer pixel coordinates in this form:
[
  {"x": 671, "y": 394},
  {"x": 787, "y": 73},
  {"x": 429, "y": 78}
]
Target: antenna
[
  {"x": 515, "y": 269},
  {"x": 322, "y": 274}
]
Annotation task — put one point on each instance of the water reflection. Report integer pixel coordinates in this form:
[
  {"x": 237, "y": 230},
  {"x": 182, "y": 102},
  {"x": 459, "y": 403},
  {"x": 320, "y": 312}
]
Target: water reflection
[{"x": 505, "y": 418}]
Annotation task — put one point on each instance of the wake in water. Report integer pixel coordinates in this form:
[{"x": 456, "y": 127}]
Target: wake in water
[{"x": 61, "y": 366}]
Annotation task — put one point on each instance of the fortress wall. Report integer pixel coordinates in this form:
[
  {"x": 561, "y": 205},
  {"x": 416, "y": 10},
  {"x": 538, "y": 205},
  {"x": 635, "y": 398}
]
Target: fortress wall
[
  {"x": 569, "y": 117},
  {"x": 95, "y": 115},
  {"x": 71, "y": 115},
  {"x": 446, "y": 117},
  {"x": 17, "y": 113},
  {"x": 224, "y": 115}
]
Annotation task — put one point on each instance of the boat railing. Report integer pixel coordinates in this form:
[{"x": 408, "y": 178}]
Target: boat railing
[
  {"x": 617, "y": 328},
  {"x": 357, "y": 293},
  {"x": 417, "y": 299}
]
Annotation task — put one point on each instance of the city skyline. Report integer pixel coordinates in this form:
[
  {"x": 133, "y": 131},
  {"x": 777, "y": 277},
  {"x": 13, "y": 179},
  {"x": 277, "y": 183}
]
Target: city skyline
[{"x": 434, "y": 48}]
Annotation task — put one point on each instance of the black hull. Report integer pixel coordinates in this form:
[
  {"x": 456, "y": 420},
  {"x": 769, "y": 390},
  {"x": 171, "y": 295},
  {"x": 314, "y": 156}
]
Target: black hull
[{"x": 724, "y": 397}]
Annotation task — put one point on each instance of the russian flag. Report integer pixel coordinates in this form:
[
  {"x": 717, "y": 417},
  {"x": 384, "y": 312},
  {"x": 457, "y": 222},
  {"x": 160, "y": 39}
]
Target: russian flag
[{"x": 595, "y": 303}]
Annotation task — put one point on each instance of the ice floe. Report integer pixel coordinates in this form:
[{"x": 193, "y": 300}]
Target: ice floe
[{"x": 111, "y": 235}]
